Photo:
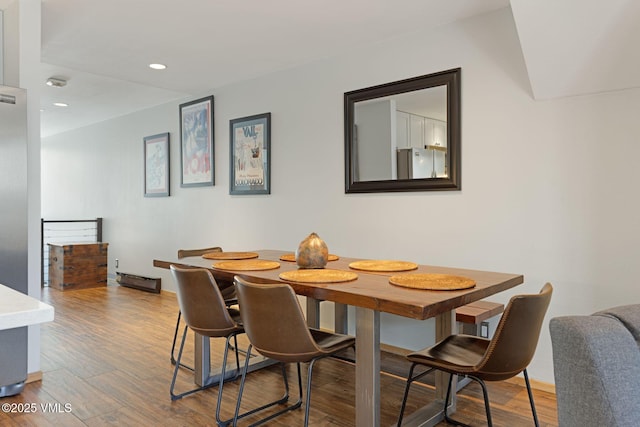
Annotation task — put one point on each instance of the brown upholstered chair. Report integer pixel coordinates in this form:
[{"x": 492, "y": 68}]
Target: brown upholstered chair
[
  {"x": 276, "y": 327},
  {"x": 227, "y": 289},
  {"x": 183, "y": 253},
  {"x": 507, "y": 354},
  {"x": 205, "y": 313}
]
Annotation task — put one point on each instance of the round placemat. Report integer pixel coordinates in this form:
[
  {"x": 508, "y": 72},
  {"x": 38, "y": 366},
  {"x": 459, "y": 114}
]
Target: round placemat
[
  {"x": 292, "y": 257},
  {"x": 434, "y": 282},
  {"x": 247, "y": 265},
  {"x": 382, "y": 265},
  {"x": 230, "y": 255},
  {"x": 321, "y": 275}
]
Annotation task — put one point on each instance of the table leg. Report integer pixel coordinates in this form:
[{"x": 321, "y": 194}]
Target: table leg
[
  {"x": 341, "y": 319},
  {"x": 445, "y": 326},
  {"x": 313, "y": 312},
  {"x": 202, "y": 362},
  {"x": 367, "y": 367},
  {"x": 340, "y": 316},
  {"x": 431, "y": 414},
  {"x": 202, "y": 375}
]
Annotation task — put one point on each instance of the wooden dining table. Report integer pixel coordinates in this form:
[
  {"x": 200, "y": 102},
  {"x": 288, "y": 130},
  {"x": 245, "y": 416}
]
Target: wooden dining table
[{"x": 371, "y": 293}]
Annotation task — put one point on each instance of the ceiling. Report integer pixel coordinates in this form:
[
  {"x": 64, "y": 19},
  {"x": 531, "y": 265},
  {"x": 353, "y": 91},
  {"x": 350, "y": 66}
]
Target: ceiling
[
  {"x": 577, "y": 47},
  {"x": 103, "y": 48}
]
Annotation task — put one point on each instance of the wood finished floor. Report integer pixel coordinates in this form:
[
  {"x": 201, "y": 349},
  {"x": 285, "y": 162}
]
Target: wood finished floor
[{"x": 106, "y": 357}]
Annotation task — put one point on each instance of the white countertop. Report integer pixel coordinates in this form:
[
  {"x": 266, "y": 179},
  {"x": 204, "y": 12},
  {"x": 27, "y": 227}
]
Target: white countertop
[{"x": 18, "y": 309}]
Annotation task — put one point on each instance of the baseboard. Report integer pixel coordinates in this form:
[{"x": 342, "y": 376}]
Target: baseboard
[
  {"x": 33, "y": 377},
  {"x": 535, "y": 384}
]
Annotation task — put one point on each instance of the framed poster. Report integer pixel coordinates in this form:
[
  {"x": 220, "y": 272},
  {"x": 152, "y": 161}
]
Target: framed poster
[
  {"x": 156, "y": 165},
  {"x": 196, "y": 143},
  {"x": 250, "y": 155}
]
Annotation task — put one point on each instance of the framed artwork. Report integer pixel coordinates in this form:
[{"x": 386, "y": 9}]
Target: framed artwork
[
  {"x": 196, "y": 143},
  {"x": 156, "y": 165},
  {"x": 250, "y": 155}
]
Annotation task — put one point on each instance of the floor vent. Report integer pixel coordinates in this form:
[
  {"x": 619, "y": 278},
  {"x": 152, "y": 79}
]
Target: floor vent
[{"x": 149, "y": 284}]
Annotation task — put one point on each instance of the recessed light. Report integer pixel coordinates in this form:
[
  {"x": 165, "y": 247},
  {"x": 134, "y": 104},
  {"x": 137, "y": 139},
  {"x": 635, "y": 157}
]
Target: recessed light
[
  {"x": 157, "y": 66},
  {"x": 60, "y": 104}
]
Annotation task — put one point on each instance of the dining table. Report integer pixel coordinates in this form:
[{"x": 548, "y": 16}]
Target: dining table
[{"x": 371, "y": 293}]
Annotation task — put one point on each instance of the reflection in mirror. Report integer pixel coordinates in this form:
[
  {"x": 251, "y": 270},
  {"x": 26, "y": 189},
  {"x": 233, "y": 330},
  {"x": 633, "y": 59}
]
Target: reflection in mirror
[{"x": 404, "y": 136}]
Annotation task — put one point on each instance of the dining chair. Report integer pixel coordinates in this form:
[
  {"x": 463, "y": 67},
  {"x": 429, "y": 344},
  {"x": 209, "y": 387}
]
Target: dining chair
[
  {"x": 183, "y": 253},
  {"x": 206, "y": 313},
  {"x": 228, "y": 293},
  {"x": 276, "y": 328},
  {"x": 507, "y": 354}
]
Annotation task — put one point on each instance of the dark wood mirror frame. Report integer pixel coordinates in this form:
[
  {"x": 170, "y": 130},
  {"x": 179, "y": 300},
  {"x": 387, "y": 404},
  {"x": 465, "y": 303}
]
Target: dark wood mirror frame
[{"x": 449, "y": 78}]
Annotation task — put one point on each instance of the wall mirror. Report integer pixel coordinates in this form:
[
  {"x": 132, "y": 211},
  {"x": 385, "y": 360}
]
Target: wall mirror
[{"x": 404, "y": 135}]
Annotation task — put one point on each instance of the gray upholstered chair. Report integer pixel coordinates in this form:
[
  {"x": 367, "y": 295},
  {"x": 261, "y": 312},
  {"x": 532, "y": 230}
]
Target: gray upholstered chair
[
  {"x": 205, "y": 313},
  {"x": 507, "y": 354},
  {"x": 276, "y": 327},
  {"x": 596, "y": 364}
]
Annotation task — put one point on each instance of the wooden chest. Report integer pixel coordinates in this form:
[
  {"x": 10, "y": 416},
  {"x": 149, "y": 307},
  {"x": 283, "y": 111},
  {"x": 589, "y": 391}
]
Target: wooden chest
[{"x": 77, "y": 265}]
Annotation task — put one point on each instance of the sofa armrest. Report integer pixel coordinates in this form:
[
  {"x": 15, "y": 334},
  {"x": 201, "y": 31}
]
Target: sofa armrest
[
  {"x": 597, "y": 372},
  {"x": 629, "y": 315}
]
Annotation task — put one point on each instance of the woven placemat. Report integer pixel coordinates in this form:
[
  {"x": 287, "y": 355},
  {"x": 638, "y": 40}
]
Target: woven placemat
[
  {"x": 381, "y": 265},
  {"x": 247, "y": 265},
  {"x": 321, "y": 275},
  {"x": 292, "y": 257},
  {"x": 434, "y": 282},
  {"x": 230, "y": 255}
]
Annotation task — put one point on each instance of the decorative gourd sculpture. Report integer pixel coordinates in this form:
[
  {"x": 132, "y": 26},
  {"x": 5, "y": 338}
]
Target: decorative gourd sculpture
[{"x": 312, "y": 252}]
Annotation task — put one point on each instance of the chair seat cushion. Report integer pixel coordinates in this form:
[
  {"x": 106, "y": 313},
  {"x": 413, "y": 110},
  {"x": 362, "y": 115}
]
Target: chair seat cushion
[
  {"x": 330, "y": 342},
  {"x": 459, "y": 353}
]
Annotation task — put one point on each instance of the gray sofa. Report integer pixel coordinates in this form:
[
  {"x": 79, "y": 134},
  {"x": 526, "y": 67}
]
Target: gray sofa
[{"x": 596, "y": 362}]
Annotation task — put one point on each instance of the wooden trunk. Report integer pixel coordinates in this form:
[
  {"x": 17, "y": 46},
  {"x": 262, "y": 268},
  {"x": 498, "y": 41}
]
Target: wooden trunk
[{"x": 77, "y": 265}]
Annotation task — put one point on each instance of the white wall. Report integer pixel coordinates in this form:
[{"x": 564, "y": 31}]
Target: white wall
[
  {"x": 1, "y": 47},
  {"x": 549, "y": 189}
]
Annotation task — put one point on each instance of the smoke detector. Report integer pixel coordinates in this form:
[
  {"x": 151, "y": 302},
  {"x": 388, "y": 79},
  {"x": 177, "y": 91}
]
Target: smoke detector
[{"x": 54, "y": 82}]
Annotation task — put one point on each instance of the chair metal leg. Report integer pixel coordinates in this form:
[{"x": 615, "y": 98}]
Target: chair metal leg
[
  {"x": 446, "y": 404},
  {"x": 283, "y": 399},
  {"x": 222, "y": 375},
  {"x": 533, "y": 406},
  {"x": 486, "y": 402},
  {"x": 410, "y": 379},
  {"x": 175, "y": 372},
  {"x": 173, "y": 345},
  {"x": 223, "y": 423},
  {"x": 175, "y": 338},
  {"x": 308, "y": 400},
  {"x": 307, "y": 403}
]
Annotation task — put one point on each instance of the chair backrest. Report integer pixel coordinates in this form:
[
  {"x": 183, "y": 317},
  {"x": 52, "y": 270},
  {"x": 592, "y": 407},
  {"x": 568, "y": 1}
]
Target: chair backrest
[
  {"x": 201, "y": 302},
  {"x": 183, "y": 253},
  {"x": 274, "y": 322},
  {"x": 516, "y": 338}
]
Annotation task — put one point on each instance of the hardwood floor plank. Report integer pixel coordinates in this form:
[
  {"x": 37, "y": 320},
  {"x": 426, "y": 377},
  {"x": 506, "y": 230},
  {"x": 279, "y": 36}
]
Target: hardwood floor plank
[
  {"x": 107, "y": 355},
  {"x": 86, "y": 401}
]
